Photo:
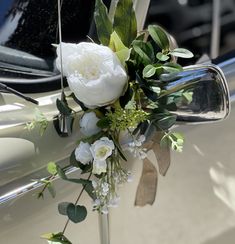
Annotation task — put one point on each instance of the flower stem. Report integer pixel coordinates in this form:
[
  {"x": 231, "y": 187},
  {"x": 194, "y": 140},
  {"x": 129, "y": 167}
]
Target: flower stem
[{"x": 77, "y": 200}]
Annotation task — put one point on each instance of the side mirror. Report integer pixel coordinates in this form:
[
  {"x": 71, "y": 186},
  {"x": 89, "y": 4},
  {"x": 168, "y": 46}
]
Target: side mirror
[{"x": 207, "y": 86}]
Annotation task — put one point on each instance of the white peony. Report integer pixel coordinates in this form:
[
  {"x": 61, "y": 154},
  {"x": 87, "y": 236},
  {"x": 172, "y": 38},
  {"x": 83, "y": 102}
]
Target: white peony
[
  {"x": 93, "y": 71},
  {"x": 101, "y": 150},
  {"x": 83, "y": 153},
  {"x": 88, "y": 124}
]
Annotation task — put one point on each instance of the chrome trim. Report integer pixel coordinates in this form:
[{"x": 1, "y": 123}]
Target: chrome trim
[
  {"x": 30, "y": 187},
  {"x": 224, "y": 84}
]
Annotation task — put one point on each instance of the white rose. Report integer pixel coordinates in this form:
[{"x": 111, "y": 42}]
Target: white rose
[
  {"x": 83, "y": 153},
  {"x": 101, "y": 150},
  {"x": 94, "y": 73},
  {"x": 88, "y": 124}
]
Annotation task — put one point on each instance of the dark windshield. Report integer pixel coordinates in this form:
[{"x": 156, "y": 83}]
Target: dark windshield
[{"x": 29, "y": 27}]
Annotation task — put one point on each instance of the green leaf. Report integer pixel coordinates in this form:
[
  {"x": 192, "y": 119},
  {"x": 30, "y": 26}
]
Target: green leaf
[
  {"x": 90, "y": 191},
  {"x": 116, "y": 43},
  {"x": 162, "y": 57},
  {"x": 63, "y": 206},
  {"x": 125, "y": 23},
  {"x": 175, "y": 140},
  {"x": 149, "y": 71},
  {"x": 181, "y": 53},
  {"x": 103, "y": 123},
  {"x": 148, "y": 90},
  {"x": 51, "y": 190},
  {"x": 145, "y": 51},
  {"x": 52, "y": 168},
  {"x": 91, "y": 139},
  {"x": 63, "y": 176},
  {"x": 172, "y": 67},
  {"x": 103, "y": 23},
  {"x": 63, "y": 107},
  {"x": 76, "y": 213},
  {"x": 179, "y": 136},
  {"x": 159, "y": 36},
  {"x": 169, "y": 77},
  {"x": 56, "y": 238},
  {"x": 117, "y": 145},
  {"x": 119, "y": 48},
  {"x": 166, "y": 122}
]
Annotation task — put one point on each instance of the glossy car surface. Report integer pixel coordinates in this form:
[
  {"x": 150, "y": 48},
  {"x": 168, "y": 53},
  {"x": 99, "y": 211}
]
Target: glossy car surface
[{"x": 195, "y": 201}]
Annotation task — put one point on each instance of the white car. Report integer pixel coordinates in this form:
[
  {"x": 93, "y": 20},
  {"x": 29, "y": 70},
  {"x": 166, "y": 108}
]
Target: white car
[{"x": 195, "y": 202}]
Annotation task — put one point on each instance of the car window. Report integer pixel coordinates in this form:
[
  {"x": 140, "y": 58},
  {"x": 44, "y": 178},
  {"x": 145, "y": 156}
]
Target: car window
[{"x": 29, "y": 27}]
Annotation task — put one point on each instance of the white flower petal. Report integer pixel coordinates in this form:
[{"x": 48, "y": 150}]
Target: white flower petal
[
  {"x": 102, "y": 149},
  {"x": 88, "y": 124},
  {"x": 94, "y": 73},
  {"x": 83, "y": 153},
  {"x": 99, "y": 167}
]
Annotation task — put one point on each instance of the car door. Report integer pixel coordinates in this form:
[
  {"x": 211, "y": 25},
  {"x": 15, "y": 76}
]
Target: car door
[{"x": 186, "y": 210}]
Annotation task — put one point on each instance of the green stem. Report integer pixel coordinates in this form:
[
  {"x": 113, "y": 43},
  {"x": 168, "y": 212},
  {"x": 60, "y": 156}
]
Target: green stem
[{"x": 77, "y": 200}]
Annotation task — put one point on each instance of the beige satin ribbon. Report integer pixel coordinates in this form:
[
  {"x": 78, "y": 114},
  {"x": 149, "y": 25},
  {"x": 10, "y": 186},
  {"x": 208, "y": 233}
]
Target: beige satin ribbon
[{"x": 147, "y": 188}]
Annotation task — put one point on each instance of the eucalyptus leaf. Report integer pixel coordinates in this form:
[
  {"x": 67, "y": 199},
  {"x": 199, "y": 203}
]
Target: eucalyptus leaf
[
  {"x": 125, "y": 23},
  {"x": 103, "y": 23},
  {"x": 62, "y": 207},
  {"x": 175, "y": 140},
  {"x": 76, "y": 213},
  {"x": 159, "y": 36},
  {"x": 181, "y": 53}
]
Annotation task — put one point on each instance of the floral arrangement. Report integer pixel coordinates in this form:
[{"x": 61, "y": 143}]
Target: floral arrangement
[{"x": 120, "y": 84}]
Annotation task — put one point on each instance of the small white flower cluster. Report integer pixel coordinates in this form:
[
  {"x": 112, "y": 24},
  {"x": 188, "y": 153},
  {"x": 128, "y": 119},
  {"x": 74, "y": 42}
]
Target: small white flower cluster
[
  {"x": 136, "y": 147},
  {"x": 98, "y": 152},
  {"x": 106, "y": 189},
  {"x": 106, "y": 196}
]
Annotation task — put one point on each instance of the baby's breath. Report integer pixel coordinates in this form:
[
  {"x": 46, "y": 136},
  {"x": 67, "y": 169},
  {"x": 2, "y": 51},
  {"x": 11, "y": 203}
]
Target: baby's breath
[{"x": 123, "y": 119}]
